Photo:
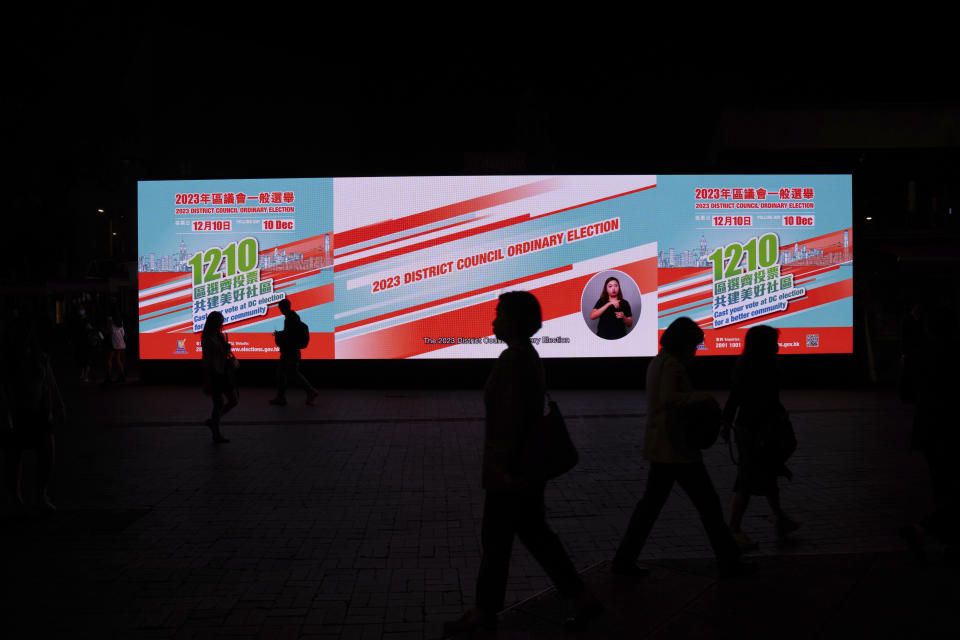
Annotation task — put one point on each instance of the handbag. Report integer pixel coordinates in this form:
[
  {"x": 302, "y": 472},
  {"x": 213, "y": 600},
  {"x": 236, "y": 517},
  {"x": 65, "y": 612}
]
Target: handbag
[{"x": 549, "y": 451}]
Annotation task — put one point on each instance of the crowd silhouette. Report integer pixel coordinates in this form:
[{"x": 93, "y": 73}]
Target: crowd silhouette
[{"x": 753, "y": 419}]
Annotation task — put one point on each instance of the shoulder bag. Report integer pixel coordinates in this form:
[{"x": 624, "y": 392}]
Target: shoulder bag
[{"x": 549, "y": 451}]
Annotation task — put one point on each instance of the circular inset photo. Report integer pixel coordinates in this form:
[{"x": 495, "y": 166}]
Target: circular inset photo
[{"x": 610, "y": 304}]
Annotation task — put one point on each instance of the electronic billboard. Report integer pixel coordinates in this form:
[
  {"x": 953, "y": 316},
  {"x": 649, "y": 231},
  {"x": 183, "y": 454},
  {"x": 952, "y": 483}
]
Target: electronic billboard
[{"x": 411, "y": 267}]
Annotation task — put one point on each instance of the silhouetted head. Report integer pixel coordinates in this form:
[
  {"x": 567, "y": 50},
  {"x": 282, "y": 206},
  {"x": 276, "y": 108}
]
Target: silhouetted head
[
  {"x": 213, "y": 323},
  {"x": 760, "y": 343},
  {"x": 284, "y": 306},
  {"x": 518, "y": 316},
  {"x": 611, "y": 290},
  {"x": 682, "y": 338}
]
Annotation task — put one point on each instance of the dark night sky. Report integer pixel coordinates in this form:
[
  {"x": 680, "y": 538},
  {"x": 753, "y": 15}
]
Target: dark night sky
[{"x": 105, "y": 100}]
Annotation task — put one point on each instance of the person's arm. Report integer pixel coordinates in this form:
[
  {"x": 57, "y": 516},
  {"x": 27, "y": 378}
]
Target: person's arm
[
  {"x": 598, "y": 311},
  {"x": 675, "y": 388},
  {"x": 730, "y": 412},
  {"x": 625, "y": 314}
]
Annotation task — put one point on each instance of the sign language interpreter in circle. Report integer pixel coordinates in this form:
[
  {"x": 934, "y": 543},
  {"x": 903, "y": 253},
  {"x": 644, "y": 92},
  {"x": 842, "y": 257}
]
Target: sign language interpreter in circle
[{"x": 613, "y": 310}]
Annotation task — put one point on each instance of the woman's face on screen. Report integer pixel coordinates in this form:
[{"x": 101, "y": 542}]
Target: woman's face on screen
[{"x": 613, "y": 289}]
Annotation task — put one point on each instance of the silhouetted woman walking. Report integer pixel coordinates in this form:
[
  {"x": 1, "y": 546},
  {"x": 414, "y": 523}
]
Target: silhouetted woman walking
[
  {"x": 513, "y": 398},
  {"x": 760, "y": 425},
  {"x": 217, "y": 374},
  {"x": 672, "y": 405}
]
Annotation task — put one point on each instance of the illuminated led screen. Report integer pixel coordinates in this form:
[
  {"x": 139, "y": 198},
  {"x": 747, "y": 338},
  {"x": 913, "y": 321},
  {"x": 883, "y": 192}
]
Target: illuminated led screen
[{"x": 411, "y": 267}]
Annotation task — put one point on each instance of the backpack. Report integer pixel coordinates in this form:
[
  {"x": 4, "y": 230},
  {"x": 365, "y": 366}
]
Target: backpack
[{"x": 303, "y": 339}]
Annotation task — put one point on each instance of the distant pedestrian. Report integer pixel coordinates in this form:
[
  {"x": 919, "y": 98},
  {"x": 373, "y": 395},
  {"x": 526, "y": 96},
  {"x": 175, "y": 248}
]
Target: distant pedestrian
[
  {"x": 34, "y": 408},
  {"x": 89, "y": 341},
  {"x": 936, "y": 434},
  {"x": 672, "y": 402},
  {"x": 116, "y": 346},
  {"x": 514, "y": 502},
  {"x": 762, "y": 429},
  {"x": 218, "y": 376},
  {"x": 294, "y": 337}
]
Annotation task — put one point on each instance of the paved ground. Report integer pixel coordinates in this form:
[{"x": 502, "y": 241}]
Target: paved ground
[{"x": 360, "y": 518}]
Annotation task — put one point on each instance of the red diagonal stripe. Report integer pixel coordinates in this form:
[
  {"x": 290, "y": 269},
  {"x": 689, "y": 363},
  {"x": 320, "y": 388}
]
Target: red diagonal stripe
[
  {"x": 460, "y": 296},
  {"x": 432, "y": 243},
  {"x": 379, "y": 229},
  {"x": 412, "y": 235},
  {"x": 166, "y": 304}
]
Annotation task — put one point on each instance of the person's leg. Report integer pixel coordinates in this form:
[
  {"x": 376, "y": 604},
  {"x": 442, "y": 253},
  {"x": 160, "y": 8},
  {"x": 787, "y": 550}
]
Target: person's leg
[
  {"x": 214, "y": 421},
  {"x": 302, "y": 379},
  {"x": 12, "y": 472},
  {"x": 232, "y": 401},
  {"x": 45, "y": 460},
  {"x": 544, "y": 545},
  {"x": 109, "y": 365},
  {"x": 282, "y": 366},
  {"x": 496, "y": 540},
  {"x": 738, "y": 507},
  {"x": 119, "y": 356},
  {"x": 695, "y": 481},
  {"x": 659, "y": 482}
]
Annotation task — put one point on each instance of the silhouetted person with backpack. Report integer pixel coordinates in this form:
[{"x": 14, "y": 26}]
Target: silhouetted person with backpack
[
  {"x": 764, "y": 436},
  {"x": 672, "y": 403},
  {"x": 294, "y": 337}
]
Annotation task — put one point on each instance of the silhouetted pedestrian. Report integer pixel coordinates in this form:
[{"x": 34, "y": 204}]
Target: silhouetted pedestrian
[
  {"x": 761, "y": 425},
  {"x": 671, "y": 403},
  {"x": 116, "y": 346},
  {"x": 936, "y": 434},
  {"x": 218, "y": 376},
  {"x": 514, "y": 502},
  {"x": 89, "y": 340},
  {"x": 291, "y": 340},
  {"x": 34, "y": 409}
]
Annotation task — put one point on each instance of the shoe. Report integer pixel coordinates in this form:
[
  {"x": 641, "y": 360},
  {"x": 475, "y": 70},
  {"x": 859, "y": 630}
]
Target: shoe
[
  {"x": 743, "y": 542},
  {"x": 220, "y": 439},
  {"x": 629, "y": 570},
  {"x": 279, "y": 401},
  {"x": 472, "y": 620},
  {"x": 46, "y": 504},
  {"x": 589, "y": 611},
  {"x": 311, "y": 396},
  {"x": 736, "y": 569},
  {"x": 786, "y": 526}
]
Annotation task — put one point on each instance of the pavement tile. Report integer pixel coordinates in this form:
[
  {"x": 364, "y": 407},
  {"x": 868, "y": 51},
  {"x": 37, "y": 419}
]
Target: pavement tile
[{"x": 353, "y": 521}]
